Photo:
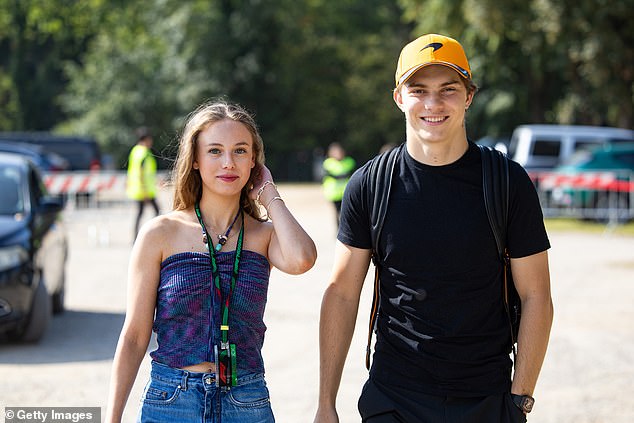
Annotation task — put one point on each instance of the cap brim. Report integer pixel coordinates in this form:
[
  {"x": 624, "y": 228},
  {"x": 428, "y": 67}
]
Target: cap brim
[{"x": 463, "y": 72}]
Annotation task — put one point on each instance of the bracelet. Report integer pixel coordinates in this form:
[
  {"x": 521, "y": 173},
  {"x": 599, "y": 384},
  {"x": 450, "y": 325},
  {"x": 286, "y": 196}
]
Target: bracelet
[
  {"x": 273, "y": 199},
  {"x": 261, "y": 190},
  {"x": 270, "y": 202}
]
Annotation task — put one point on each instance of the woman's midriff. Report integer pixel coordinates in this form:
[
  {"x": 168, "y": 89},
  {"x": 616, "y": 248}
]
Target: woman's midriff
[{"x": 204, "y": 367}]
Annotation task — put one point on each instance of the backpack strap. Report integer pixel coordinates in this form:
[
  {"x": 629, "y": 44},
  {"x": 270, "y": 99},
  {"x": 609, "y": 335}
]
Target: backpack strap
[
  {"x": 379, "y": 184},
  {"x": 495, "y": 183}
]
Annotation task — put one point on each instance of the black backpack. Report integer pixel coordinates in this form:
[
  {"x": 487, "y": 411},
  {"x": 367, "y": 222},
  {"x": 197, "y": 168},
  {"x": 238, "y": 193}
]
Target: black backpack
[{"x": 495, "y": 184}]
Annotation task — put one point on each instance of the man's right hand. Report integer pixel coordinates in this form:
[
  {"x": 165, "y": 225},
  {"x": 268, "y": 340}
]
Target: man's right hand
[{"x": 326, "y": 416}]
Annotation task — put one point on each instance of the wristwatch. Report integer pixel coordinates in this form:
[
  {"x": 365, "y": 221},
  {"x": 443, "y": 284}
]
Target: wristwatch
[{"x": 523, "y": 402}]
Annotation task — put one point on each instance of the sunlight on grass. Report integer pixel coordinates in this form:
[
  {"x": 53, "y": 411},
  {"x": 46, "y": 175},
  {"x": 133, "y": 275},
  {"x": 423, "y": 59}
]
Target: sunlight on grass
[{"x": 577, "y": 225}]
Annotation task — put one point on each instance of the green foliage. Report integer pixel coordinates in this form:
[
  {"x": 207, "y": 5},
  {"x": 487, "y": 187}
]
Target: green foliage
[
  {"x": 36, "y": 37},
  {"x": 131, "y": 76},
  {"x": 312, "y": 71}
]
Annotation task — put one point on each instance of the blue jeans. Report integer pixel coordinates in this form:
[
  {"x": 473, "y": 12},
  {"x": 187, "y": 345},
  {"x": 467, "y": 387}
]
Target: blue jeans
[{"x": 174, "y": 395}]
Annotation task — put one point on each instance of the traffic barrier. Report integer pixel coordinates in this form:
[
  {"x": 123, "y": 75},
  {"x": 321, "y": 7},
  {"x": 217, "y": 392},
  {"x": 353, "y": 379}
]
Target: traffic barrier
[
  {"x": 84, "y": 182},
  {"x": 94, "y": 185},
  {"x": 610, "y": 181},
  {"x": 599, "y": 195}
]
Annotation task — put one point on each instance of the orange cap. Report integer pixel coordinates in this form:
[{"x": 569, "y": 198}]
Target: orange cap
[{"x": 431, "y": 49}]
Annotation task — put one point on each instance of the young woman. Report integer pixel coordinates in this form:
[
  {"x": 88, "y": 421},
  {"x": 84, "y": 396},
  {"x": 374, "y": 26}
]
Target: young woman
[{"x": 198, "y": 277}]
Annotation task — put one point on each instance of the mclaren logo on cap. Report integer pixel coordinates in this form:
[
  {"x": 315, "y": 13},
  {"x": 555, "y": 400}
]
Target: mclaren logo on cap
[
  {"x": 434, "y": 46},
  {"x": 437, "y": 46}
]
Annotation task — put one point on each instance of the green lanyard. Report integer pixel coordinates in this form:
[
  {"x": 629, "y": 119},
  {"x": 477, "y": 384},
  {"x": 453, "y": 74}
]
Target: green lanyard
[{"x": 224, "y": 326}]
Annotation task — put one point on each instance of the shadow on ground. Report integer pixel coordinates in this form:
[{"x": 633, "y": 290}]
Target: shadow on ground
[{"x": 73, "y": 336}]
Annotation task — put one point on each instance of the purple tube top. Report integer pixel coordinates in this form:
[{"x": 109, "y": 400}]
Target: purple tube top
[{"x": 186, "y": 299}]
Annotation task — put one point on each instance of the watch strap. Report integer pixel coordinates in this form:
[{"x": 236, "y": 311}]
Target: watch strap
[{"x": 523, "y": 402}]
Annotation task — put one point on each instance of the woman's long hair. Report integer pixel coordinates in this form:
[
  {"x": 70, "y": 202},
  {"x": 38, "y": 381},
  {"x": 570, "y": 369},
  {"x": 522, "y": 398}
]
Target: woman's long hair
[{"x": 187, "y": 181}]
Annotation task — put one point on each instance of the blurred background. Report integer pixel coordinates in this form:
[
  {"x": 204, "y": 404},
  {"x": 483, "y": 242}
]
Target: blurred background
[{"x": 313, "y": 71}]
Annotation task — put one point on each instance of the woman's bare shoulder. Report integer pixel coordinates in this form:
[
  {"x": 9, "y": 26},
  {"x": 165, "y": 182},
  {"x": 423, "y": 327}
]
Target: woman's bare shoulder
[
  {"x": 166, "y": 224},
  {"x": 171, "y": 233}
]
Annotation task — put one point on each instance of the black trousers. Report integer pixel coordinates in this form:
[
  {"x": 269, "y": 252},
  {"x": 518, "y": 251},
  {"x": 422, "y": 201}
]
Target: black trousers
[
  {"x": 337, "y": 205},
  {"x": 391, "y": 404},
  {"x": 140, "y": 207}
]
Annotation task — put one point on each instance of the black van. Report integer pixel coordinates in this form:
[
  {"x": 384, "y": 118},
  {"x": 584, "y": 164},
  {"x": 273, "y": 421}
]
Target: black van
[{"x": 82, "y": 153}]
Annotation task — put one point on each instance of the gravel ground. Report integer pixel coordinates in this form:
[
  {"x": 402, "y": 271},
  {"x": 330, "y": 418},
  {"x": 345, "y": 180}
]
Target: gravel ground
[{"x": 586, "y": 378}]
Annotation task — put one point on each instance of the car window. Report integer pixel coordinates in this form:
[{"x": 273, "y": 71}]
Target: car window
[
  {"x": 545, "y": 147},
  {"x": 11, "y": 198},
  {"x": 587, "y": 144},
  {"x": 627, "y": 158},
  {"x": 579, "y": 158},
  {"x": 619, "y": 140}
]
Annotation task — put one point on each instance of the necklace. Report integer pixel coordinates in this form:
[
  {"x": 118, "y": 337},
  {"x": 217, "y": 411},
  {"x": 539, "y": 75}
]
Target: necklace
[{"x": 222, "y": 239}]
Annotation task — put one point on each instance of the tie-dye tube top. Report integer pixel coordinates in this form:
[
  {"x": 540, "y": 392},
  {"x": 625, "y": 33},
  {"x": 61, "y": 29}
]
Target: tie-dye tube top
[{"x": 186, "y": 301}]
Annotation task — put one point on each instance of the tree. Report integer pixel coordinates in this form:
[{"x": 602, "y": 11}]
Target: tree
[
  {"x": 135, "y": 73},
  {"x": 313, "y": 71},
  {"x": 301, "y": 67},
  {"x": 600, "y": 62},
  {"x": 36, "y": 38}
]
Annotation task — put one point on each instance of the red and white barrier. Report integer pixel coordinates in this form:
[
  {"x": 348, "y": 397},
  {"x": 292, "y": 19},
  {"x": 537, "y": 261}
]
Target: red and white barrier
[
  {"x": 83, "y": 182},
  {"x": 597, "y": 181},
  {"x": 90, "y": 182}
]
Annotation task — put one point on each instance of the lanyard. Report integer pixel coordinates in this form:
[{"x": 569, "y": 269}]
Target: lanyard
[{"x": 224, "y": 326}]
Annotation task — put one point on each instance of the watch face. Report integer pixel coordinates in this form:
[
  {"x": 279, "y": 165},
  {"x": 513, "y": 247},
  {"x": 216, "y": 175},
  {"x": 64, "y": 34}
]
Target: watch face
[{"x": 527, "y": 404}]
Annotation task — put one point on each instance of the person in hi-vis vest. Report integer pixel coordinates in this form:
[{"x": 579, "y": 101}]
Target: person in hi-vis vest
[
  {"x": 141, "y": 185},
  {"x": 337, "y": 171}
]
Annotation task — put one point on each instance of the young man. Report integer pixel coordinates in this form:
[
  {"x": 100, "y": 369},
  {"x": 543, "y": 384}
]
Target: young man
[{"x": 443, "y": 337}]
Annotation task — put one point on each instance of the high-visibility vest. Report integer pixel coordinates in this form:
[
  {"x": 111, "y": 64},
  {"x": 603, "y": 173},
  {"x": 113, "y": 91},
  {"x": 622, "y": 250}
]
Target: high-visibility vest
[
  {"x": 141, "y": 183},
  {"x": 337, "y": 175}
]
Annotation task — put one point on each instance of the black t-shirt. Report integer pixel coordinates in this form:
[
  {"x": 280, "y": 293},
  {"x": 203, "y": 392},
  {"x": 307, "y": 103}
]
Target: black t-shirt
[{"x": 442, "y": 328}]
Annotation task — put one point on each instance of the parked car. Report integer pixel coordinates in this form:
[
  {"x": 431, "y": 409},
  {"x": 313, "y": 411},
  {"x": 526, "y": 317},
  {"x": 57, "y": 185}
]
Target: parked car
[
  {"x": 548, "y": 146},
  {"x": 606, "y": 181},
  {"x": 33, "y": 251},
  {"x": 82, "y": 153},
  {"x": 607, "y": 157},
  {"x": 45, "y": 160}
]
